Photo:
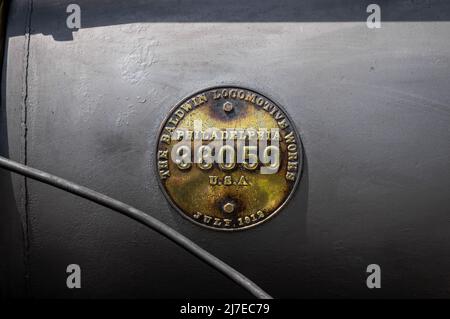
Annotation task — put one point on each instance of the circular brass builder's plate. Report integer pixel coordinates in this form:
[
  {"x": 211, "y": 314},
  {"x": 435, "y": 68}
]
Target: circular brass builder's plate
[{"x": 228, "y": 158}]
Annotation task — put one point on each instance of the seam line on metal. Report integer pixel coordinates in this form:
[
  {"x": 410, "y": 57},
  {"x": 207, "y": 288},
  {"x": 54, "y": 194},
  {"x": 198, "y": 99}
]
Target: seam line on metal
[{"x": 141, "y": 217}]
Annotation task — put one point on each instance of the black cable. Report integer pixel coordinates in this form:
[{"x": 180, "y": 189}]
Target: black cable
[{"x": 139, "y": 216}]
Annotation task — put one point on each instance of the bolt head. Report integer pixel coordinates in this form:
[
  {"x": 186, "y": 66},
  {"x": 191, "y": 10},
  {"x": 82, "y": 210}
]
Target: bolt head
[
  {"x": 227, "y": 106},
  {"x": 228, "y": 208}
]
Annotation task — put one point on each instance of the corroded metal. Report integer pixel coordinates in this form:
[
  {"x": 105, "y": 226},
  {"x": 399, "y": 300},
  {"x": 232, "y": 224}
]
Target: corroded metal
[{"x": 235, "y": 190}]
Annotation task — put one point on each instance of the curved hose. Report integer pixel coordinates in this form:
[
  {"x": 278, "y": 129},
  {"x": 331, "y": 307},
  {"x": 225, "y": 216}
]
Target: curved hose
[{"x": 139, "y": 216}]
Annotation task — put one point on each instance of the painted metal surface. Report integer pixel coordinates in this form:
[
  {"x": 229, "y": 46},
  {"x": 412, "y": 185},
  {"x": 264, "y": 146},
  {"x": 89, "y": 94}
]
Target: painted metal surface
[{"x": 372, "y": 108}]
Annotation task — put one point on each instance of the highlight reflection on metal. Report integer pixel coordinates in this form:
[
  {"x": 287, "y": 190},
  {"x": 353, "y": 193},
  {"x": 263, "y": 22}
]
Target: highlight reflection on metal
[{"x": 228, "y": 158}]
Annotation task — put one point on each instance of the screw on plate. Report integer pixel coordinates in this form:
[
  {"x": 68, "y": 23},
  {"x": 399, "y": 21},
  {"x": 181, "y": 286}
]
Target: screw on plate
[
  {"x": 227, "y": 106},
  {"x": 228, "y": 208}
]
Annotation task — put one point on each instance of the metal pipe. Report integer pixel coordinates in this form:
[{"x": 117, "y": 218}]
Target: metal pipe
[{"x": 139, "y": 216}]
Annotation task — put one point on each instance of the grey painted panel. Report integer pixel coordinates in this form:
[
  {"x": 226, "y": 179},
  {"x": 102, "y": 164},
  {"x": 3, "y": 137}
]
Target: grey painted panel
[{"x": 371, "y": 106}]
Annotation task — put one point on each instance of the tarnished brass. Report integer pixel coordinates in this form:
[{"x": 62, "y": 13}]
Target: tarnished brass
[{"x": 234, "y": 189}]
